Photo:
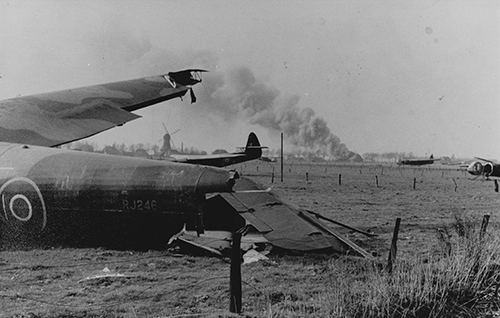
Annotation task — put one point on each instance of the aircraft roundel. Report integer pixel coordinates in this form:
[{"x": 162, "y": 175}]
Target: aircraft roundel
[{"x": 22, "y": 205}]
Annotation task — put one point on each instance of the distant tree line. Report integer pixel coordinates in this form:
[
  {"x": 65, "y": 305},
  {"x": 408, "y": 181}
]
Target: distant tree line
[
  {"x": 386, "y": 156},
  {"x": 134, "y": 150}
]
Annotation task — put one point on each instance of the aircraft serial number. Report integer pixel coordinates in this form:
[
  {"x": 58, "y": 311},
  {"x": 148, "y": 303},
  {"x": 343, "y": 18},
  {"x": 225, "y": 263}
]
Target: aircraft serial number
[{"x": 140, "y": 205}]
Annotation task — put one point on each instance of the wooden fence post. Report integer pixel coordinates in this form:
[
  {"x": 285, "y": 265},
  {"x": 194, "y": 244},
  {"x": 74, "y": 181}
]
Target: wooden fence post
[
  {"x": 392, "y": 252},
  {"x": 414, "y": 183},
  {"x": 235, "y": 276},
  {"x": 340, "y": 179}
]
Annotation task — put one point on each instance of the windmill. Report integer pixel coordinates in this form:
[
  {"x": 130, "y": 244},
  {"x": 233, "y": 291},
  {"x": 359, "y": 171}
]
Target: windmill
[{"x": 166, "y": 149}]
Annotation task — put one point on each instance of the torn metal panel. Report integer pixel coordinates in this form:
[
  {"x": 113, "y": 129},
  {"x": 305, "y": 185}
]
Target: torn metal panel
[
  {"x": 216, "y": 242},
  {"x": 204, "y": 245},
  {"x": 284, "y": 226}
]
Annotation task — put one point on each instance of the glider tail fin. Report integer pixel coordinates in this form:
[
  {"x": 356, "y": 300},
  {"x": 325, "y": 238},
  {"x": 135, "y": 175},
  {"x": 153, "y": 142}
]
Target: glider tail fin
[{"x": 253, "y": 147}]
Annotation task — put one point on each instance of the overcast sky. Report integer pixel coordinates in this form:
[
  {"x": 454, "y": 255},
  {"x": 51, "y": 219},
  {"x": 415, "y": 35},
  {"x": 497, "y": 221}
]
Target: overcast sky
[{"x": 406, "y": 76}]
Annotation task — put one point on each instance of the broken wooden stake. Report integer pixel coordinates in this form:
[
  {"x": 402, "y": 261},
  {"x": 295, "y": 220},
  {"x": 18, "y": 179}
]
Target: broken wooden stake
[
  {"x": 340, "y": 179},
  {"x": 414, "y": 183},
  {"x": 307, "y": 176},
  {"x": 376, "y": 180},
  {"x": 496, "y": 185},
  {"x": 392, "y": 252}
]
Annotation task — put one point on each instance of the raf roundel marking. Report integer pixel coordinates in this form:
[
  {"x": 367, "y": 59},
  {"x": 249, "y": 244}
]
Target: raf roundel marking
[
  {"x": 23, "y": 205},
  {"x": 15, "y": 213}
]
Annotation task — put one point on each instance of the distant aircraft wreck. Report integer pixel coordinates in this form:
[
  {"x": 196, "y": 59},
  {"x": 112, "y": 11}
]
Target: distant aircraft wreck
[
  {"x": 418, "y": 162},
  {"x": 252, "y": 151},
  {"x": 484, "y": 167}
]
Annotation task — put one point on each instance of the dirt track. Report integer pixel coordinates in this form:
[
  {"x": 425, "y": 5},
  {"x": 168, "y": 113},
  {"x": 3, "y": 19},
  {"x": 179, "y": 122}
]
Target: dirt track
[{"x": 51, "y": 283}]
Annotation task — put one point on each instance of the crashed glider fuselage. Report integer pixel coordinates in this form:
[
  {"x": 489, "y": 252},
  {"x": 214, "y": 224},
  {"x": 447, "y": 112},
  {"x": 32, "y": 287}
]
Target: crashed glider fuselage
[{"x": 53, "y": 193}]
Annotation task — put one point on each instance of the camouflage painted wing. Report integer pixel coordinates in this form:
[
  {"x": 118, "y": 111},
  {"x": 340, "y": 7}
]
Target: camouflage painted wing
[{"x": 56, "y": 118}]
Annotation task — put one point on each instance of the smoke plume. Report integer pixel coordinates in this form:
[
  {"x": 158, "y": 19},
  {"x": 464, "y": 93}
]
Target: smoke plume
[{"x": 237, "y": 94}]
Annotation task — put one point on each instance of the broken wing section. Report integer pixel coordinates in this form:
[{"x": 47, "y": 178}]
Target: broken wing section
[
  {"x": 56, "y": 118},
  {"x": 283, "y": 226}
]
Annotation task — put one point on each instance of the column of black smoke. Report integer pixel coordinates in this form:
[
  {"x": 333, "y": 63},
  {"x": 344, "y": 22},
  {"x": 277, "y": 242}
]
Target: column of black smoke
[{"x": 238, "y": 94}]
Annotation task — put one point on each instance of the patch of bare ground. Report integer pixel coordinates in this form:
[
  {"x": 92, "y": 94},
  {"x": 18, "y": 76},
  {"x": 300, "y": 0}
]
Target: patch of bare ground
[{"x": 441, "y": 271}]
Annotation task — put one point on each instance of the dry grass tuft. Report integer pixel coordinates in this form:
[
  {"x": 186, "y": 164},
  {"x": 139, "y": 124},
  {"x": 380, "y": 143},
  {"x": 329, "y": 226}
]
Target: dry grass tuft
[{"x": 463, "y": 281}]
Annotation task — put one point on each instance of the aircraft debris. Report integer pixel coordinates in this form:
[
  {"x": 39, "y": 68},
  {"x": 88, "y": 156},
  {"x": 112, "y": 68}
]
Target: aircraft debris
[
  {"x": 274, "y": 222},
  {"x": 105, "y": 274},
  {"x": 484, "y": 167},
  {"x": 417, "y": 162},
  {"x": 217, "y": 243},
  {"x": 253, "y": 256}
]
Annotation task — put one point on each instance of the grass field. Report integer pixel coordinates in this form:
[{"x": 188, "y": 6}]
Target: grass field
[{"x": 51, "y": 283}]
